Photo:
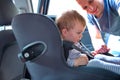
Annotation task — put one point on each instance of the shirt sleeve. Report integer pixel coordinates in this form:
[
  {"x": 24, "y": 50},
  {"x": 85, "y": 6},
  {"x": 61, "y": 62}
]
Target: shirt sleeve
[
  {"x": 73, "y": 54},
  {"x": 116, "y": 5}
]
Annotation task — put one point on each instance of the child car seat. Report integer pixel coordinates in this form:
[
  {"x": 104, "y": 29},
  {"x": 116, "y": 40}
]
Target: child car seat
[{"x": 42, "y": 51}]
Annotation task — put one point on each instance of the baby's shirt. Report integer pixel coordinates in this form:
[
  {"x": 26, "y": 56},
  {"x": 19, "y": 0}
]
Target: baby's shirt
[{"x": 73, "y": 54}]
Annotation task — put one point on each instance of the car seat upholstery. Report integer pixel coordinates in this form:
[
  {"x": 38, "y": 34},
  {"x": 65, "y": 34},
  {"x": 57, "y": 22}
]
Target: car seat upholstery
[
  {"x": 11, "y": 68},
  {"x": 42, "y": 51},
  {"x": 7, "y": 12}
]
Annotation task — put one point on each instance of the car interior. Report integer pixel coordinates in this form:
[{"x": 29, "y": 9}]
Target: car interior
[
  {"x": 11, "y": 68},
  {"x": 44, "y": 54},
  {"x": 33, "y": 49}
]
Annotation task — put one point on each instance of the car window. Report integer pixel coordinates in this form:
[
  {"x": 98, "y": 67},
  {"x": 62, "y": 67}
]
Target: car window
[
  {"x": 57, "y": 7},
  {"x": 35, "y": 5}
]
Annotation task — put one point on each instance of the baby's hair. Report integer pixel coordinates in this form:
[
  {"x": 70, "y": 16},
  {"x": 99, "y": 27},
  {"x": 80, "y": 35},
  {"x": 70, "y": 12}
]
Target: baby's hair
[{"x": 67, "y": 20}]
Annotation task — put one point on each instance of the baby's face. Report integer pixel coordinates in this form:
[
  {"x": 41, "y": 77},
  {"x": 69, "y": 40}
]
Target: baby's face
[{"x": 75, "y": 34}]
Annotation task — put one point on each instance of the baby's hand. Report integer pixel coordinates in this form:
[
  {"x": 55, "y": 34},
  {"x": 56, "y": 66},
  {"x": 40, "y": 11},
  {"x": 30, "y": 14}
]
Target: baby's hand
[{"x": 82, "y": 60}]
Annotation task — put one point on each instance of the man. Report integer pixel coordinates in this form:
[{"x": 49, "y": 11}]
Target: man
[{"x": 103, "y": 16}]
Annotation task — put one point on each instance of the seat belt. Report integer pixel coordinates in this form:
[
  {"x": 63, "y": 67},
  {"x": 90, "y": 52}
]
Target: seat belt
[
  {"x": 70, "y": 45},
  {"x": 87, "y": 51}
]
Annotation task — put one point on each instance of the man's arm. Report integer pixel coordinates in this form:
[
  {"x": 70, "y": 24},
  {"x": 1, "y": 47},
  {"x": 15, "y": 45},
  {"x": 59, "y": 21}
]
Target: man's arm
[
  {"x": 97, "y": 40},
  {"x": 95, "y": 35}
]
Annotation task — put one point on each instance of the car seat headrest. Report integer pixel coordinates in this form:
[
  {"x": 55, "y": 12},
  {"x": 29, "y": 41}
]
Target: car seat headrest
[
  {"x": 7, "y": 12},
  {"x": 30, "y": 28}
]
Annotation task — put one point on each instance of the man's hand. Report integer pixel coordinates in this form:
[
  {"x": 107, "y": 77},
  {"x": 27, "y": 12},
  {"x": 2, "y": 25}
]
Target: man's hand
[{"x": 102, "y": 50}]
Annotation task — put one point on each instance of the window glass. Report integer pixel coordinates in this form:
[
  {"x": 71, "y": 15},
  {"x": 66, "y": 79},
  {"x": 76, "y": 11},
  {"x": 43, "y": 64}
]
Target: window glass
[
  {"x": 57, "y": 7},
  {"x": 35, "y": 5}
]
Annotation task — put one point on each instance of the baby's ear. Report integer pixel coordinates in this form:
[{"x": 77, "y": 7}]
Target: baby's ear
[{"x": 64, "y": 31}]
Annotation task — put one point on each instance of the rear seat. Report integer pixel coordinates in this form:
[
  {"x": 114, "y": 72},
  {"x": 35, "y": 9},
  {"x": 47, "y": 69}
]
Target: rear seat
[{"x": 10, "y": 66}]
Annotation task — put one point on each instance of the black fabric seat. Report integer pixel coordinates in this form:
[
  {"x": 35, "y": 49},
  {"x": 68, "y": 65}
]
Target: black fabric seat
[
  {"x": 42, "y": 51},
  {"x": 11, "y": 68}
]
